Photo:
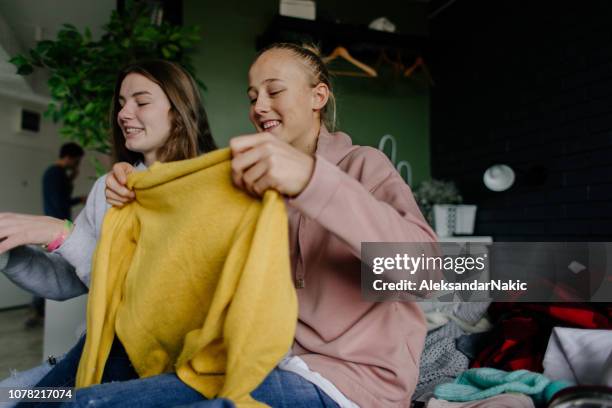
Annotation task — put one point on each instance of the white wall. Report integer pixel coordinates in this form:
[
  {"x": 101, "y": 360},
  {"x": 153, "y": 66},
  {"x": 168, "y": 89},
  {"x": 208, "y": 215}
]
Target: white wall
[
  {"x": 64, "y": 323},
  {"x": 24, "y": 156}
]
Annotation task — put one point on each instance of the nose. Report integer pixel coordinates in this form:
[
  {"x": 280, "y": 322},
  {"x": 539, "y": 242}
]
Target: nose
[
  {"x": 262, "y": 105},
  {"x": 125, "y": 113}
]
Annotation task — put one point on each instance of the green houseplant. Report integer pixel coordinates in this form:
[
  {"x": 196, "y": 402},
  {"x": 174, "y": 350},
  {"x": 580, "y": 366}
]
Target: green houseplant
[
  {"x": 432, "y": 192},
  {"x": 82, "y": 71},
  {"x": 439, "y": 201}
]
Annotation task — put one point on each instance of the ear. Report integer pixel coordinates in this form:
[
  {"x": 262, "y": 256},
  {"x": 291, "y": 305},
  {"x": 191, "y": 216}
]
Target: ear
[{"x": 320, "y": 95}]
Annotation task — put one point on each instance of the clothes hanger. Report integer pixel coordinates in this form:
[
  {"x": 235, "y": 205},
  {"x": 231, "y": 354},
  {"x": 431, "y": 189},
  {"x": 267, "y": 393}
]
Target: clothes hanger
[
  {"x": 341, "y": 52},
  {"x": 397, "y": 65},
  {"x": 419, "y": 63}
]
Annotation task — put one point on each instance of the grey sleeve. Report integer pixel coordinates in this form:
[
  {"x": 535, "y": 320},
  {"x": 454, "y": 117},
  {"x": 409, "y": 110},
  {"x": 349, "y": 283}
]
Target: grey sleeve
[
  {"x": 66, "y": 272},
  {"x": 44, "y": 274},
  {"x": 79, "y": 247}
]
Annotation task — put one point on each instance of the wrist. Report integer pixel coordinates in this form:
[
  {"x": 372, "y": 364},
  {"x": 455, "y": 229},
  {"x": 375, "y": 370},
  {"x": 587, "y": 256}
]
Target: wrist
[
  {"x": 307, "y": 175},
  {"x": 60, "y": 237}
]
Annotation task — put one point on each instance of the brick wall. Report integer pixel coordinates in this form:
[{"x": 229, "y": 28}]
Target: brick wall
[{"x": 528, "y": 84}]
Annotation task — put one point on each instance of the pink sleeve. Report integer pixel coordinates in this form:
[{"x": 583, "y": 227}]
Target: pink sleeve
[{"x": 343, "y": 205}]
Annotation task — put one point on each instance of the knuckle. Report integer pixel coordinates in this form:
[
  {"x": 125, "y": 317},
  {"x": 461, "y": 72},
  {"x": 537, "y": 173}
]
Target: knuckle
[
  {"x": 268, "y": 146},
  {"x": 247, "y": 179},
  {"x": 236, "y": 180},
  {"x": 256, "y": 188},
  {"x": 274, "y": 180}
]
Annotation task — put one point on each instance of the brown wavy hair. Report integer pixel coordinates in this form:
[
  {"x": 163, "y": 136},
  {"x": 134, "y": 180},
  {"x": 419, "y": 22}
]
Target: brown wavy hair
[{"x": 190, "y": 135}]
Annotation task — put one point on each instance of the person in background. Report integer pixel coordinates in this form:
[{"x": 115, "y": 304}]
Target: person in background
[{"x": 57, "y": 184}]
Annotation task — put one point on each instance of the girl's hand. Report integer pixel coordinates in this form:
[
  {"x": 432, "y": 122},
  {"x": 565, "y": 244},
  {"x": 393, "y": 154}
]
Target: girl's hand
[
  {"x": 116, "y": 193},
  {"x": 22, "y": 229},
  {"x": 261, "y": 162}
]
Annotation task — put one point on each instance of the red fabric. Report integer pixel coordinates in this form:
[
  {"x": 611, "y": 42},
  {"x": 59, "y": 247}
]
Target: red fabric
[{"x": 522, "y": 331}]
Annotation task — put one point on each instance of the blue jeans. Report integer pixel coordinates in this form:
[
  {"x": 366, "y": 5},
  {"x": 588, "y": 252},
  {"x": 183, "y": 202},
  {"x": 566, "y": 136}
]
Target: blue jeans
[
  {"x": 121, "y": 387},
  {"x": 280, "y": 389},
  {"x": 25, "y": 380},
  {"x": 118, "y": 368}
]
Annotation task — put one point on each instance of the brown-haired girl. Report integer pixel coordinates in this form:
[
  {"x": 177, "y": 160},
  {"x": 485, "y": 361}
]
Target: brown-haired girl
[{"x": 157, "y": 115}]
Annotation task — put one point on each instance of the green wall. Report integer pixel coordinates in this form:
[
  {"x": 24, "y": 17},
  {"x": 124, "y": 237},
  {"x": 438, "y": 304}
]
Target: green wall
[{"x": 368, "y": 108}]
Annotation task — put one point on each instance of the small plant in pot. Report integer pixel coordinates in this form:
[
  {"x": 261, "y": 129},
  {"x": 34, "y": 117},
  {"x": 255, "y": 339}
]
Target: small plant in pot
[{"x": 438, "y": 200}]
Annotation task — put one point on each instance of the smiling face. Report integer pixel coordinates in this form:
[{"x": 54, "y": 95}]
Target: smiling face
[
  {"x": 144, "y": 118},
  {"x": 283, "y": 99}
]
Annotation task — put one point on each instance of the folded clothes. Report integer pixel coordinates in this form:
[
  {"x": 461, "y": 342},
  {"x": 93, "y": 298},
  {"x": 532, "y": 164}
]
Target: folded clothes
[
  {"x": 471, "y": 344},
  {"x": 578, "y": 355},
  {"x": 469, "y": 315},
  {"x": 440, "y": 361},
  {"x": 481, "y": 383},
  {"x": 522, "y": 330},
  {"x": 498, "y": 401},
  {"x": 438, "y": 319}
]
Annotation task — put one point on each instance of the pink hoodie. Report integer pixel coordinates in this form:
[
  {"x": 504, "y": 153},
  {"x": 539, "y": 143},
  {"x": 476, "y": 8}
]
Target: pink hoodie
[{"x": 370, "y": 351}]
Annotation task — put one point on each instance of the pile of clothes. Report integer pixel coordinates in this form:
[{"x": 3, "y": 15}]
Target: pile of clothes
[{"x": 514, "y": 354}]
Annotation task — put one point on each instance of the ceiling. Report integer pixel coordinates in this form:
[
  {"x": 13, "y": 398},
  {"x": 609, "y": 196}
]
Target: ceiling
[{"x": 24, "y": 22}]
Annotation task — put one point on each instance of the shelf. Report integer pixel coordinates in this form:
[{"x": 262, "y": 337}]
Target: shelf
[
  {"x": 467, "y": 238},
  {"x": 361, "y": 41}
]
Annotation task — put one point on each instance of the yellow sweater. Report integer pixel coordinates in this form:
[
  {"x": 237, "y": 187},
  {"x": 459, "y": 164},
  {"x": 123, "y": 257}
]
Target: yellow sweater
[{"x": 194, "y": 278}]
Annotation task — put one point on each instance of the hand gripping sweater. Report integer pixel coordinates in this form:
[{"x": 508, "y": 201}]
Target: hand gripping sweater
[{"x": 193, "y": 276}]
